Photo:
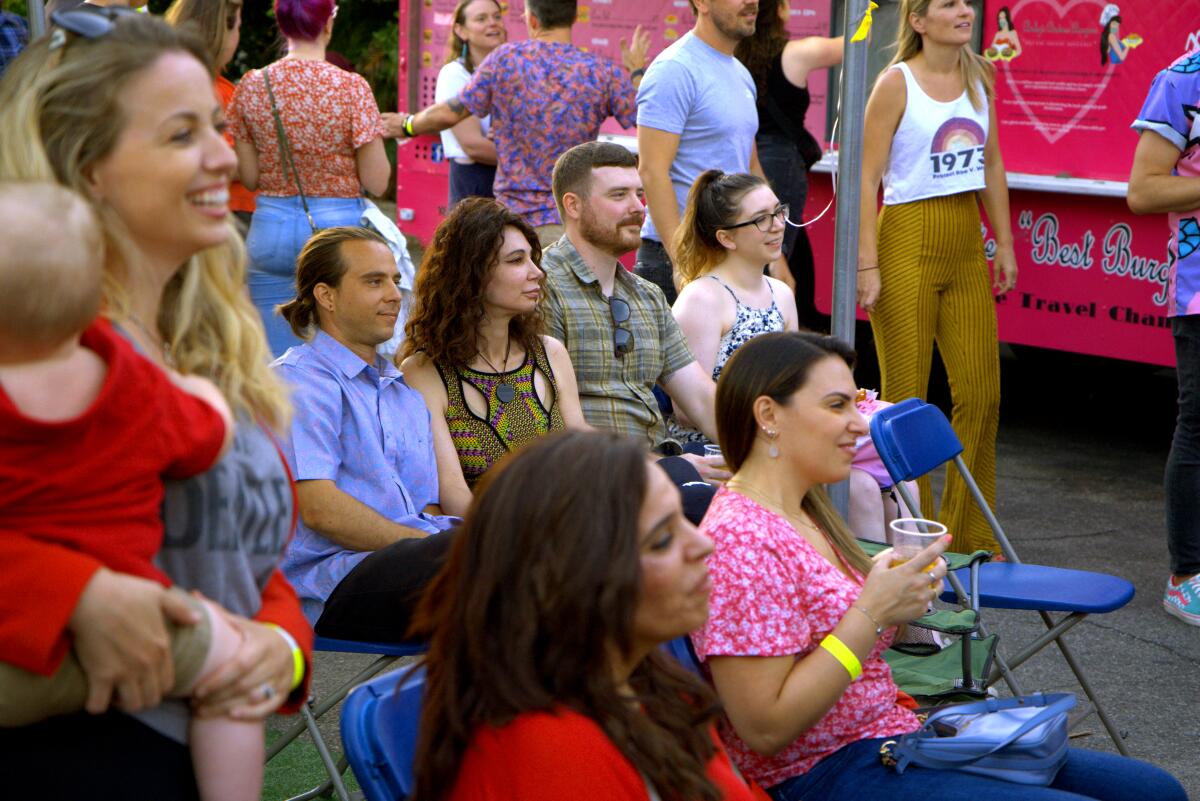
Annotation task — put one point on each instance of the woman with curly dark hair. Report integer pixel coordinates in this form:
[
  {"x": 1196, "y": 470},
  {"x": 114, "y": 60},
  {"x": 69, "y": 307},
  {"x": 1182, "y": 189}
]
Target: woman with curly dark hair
[
  {"x": 786, "y": 150},
  {"x": 545, "y": 679},
  {"x": 475, "y": 348}
]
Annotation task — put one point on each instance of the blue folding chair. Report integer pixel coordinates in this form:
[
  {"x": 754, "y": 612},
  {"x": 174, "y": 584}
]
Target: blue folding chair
[
  {"x": 312, "y": 710},
  {"x": 913, "y": 438},
  {"x": 681, "y": 649},
  {"x": 380, "y": 722}
]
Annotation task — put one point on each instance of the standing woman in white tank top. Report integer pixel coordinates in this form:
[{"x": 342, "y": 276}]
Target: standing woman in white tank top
[{"x": 930, "y": 137}]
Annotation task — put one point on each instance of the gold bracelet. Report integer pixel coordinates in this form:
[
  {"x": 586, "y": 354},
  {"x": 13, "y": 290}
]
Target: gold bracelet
[
  {"x": 843, "y": 654},
  {"x": 878, "y": 628}
]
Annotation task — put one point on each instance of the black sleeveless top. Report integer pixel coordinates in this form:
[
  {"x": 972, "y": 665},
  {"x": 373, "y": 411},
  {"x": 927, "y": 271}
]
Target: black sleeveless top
[
  {"x": 781, "y": 110},
  {"x": 791, "y": 100}
]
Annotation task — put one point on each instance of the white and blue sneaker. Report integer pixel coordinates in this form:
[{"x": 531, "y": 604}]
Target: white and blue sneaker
[{"x": 1182, "y": 599}]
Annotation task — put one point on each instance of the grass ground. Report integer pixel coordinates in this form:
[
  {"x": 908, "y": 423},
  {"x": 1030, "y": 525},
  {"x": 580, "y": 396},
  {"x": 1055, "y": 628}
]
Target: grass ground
[{"x": 296, "y": 769}]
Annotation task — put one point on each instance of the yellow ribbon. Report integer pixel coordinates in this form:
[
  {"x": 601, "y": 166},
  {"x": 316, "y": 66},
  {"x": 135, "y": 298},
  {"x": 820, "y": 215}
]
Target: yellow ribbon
[{"x": 864, "y": 27}]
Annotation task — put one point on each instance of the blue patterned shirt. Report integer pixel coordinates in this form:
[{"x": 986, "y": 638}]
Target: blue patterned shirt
[
  {"x": 1172, "y": 110},
  {"x": 363, "y": 428},
  {"x": 544, "y": 98},
  {"x": 14, "y": 35}
]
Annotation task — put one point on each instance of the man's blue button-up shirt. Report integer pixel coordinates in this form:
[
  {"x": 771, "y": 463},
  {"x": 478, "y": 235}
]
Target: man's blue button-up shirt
[{"x": 363, "y": 428}]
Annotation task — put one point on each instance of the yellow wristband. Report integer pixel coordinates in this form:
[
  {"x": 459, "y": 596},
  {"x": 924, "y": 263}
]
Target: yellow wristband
[
  {"x": 297, "y": 654},
  {"x": 843, "y": 654}
]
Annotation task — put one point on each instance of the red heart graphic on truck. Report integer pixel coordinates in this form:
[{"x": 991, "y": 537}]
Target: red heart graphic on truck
[{"x": 1053, "y": 131}]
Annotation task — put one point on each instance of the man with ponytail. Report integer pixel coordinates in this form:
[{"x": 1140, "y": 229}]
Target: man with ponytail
[{"x": 361, "y": 446}]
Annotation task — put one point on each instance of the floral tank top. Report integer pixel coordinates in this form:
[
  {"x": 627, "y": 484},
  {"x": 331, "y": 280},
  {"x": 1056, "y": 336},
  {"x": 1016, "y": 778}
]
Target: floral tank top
[
  {"x": 481, "y": 442},
  {"x": 748, "y": 322}
]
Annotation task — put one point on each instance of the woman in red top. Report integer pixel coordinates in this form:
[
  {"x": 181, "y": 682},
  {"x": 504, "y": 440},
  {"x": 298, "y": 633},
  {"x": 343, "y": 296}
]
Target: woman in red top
[
  {"x": 546, "y": 680},
  {"x": 335, "y": 134},
  {"x": 219, "y": 24}
]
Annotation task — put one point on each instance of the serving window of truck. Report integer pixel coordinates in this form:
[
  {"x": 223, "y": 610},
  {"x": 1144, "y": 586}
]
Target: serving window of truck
[{"x": 1071, "y": 76}]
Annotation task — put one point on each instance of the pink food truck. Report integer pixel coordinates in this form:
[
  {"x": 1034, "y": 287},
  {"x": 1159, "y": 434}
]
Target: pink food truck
[{"x": 1071, "y": 77}]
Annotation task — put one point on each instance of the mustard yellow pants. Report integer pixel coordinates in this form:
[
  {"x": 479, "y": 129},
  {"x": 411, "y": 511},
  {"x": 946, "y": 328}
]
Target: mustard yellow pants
[{"x": 936, "y": 288}]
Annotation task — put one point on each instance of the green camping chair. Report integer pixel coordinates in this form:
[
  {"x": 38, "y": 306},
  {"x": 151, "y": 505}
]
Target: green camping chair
[{"x": 936, "y": 675}]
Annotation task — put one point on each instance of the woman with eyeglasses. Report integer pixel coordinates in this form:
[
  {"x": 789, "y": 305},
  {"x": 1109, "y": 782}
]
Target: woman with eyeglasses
[
  {"x": 120, "y": 108},
  {"x": 309, "y": 138},
  {"x": 545, "y": 679},
  {"x": 733, "y": 226},
  {"x": 475, "y": 348}
]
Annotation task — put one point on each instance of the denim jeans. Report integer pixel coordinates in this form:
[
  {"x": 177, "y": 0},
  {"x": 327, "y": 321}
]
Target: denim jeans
[
  {"x": 278, "y": 231},
  {"x": 654, "y": 265},
  {"x": 1182, "y": 478},
  {"x": 856, "y": 772}
]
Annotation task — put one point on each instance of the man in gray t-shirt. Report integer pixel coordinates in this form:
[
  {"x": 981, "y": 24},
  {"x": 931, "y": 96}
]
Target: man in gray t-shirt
[{"x": 696, "y": 111}]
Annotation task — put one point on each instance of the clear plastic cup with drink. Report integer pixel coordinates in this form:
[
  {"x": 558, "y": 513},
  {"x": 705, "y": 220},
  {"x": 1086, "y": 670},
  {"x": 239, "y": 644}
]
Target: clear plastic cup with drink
[{"x": 911, "y": 535}]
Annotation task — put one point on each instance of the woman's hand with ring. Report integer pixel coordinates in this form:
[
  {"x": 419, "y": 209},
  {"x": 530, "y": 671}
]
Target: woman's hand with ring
[
  {"x": 901, "y": 593},
  {"x": 239, "y": 688}
]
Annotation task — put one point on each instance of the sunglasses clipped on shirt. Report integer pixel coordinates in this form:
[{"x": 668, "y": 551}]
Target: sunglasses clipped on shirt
[
  {"x": 763, "y": 222},
  {"x": 622, "y": 337}
]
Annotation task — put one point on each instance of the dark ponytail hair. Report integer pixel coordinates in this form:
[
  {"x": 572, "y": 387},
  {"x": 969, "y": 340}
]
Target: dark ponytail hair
[{"x": 712, "y": 204}]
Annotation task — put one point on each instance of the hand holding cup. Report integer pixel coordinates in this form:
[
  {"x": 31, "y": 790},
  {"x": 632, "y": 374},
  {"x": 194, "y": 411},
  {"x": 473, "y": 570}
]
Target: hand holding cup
[{"x": 899, "y": 589}]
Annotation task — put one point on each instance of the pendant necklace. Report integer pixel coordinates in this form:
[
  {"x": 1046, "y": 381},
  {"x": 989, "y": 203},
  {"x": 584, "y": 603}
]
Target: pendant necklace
[{"x": 504, "y": 391}]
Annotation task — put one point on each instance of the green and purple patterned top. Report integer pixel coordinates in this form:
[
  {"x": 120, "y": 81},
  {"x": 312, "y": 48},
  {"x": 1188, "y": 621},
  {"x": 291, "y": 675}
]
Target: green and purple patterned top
[{"x": 481, "y": 442}]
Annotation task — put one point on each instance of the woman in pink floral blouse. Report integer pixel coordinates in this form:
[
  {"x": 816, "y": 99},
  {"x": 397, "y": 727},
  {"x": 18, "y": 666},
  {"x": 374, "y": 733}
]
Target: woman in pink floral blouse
[
  {"x": 799, "y": 616},
  {"x": 334, "y": 130}
]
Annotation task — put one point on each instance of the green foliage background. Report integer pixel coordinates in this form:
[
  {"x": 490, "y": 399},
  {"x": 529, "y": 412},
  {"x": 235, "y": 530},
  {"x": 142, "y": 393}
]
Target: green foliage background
[{"x": 365, "y": 33}]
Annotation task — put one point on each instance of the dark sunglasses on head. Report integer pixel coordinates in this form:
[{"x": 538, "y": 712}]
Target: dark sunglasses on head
[
  {"x": 90, "y": 22},
  {"x": 622, "y": 337}
]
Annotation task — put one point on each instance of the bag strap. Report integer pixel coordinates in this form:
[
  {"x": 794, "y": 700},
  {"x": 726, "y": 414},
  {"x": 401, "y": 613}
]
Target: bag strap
[
  {"x": 285, "y": 149},
  {"x": 1053, "y": 705},
  {"x": 787, "y": 125}
]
